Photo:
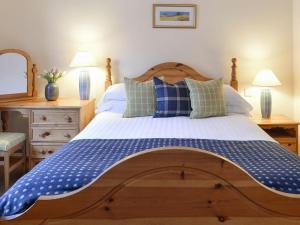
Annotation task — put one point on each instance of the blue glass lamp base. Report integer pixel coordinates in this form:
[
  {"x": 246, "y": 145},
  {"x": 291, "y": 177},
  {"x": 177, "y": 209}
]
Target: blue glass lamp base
[
  {"x": 84, "y": 85},
  {"x": 266, "y": 103}
]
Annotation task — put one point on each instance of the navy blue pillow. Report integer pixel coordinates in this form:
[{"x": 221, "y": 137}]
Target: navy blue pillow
[{"x": 171, "y": 99}]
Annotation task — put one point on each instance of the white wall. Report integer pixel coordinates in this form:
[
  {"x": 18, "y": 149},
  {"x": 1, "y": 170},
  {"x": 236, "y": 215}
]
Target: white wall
[
  {"x": 257, "y": 32},
  {"x": 297, "y": 58}
]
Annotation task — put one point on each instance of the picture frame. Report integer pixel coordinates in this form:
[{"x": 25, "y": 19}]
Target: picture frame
[{"x": 175, "y": 16}]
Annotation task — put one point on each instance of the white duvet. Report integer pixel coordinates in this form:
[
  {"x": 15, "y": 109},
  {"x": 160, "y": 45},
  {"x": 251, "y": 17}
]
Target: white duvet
[{"x": 108, "y": 125}]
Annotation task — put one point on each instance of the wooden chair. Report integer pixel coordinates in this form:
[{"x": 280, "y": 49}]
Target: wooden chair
[{"x": 12, "y": 145}]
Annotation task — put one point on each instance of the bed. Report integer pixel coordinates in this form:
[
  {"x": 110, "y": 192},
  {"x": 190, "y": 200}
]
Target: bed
[{"x": 215, "y": 170}]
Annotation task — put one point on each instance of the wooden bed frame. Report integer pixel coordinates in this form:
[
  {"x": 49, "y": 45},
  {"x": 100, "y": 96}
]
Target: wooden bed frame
[{"x": 168, "y": 186}]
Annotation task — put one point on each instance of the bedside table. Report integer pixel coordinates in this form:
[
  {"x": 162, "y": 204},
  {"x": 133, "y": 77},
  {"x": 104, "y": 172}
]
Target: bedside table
[
  {"x": 51, "y": 123},
  {"x": 282, "y": 129}
]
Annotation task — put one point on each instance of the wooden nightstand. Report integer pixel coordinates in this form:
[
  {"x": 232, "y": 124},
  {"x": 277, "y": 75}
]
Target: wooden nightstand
[
  {"x": 51, "y": 124},
  {"x": 282, "y": 129}
]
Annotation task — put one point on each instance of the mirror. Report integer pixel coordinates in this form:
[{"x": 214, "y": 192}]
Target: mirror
[
  {"x": 17, "y": 75},
  {"x": 13, "y": 68}
]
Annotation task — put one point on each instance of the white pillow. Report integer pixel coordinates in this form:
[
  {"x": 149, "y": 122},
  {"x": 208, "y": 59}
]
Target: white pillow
[
  {"x": 112, "y": 106},
  {"x": 235, "y": 103},
  {"x": 114, "y": 100},
  {"x": 115, "y": 92}
]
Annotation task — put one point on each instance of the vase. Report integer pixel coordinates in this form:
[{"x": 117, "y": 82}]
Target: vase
[
  {"x": 51, "y": 91},
  {"x": 84, "y": 85},
  {"x": 266, "y": 103}
]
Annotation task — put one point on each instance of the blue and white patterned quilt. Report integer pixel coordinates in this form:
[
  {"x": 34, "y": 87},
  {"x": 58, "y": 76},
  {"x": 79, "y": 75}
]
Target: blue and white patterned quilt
[{"x": 81, "y": 161}]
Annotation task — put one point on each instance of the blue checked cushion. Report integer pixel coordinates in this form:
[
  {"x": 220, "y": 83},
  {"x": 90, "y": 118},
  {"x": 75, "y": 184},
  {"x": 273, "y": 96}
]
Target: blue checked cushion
[{"x": 171, "y": 99}]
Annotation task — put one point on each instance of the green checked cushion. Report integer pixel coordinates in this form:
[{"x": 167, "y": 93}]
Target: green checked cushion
[
  {"x": 10, "y": 140},
  {"x": 207, "y": 98},
  {"x": 140, "y": 98}
]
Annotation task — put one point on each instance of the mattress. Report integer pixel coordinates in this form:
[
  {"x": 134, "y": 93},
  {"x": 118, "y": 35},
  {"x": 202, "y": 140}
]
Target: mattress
[
  {"x": 236, "y": 127},
  {"x": 107, "y": 140}
]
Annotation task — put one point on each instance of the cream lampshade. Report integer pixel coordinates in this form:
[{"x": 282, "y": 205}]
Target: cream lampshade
[
  {"x": 84, "y": 60},
  {"x": 266, "y": 79}
]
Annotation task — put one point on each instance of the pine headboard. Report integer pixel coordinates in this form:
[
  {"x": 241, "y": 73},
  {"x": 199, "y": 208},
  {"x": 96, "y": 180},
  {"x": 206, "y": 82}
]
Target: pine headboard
[{"x": 173, "y": 72}]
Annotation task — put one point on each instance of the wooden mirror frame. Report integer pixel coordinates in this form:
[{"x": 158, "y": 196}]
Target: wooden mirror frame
[{"x": 31, "y": 78}]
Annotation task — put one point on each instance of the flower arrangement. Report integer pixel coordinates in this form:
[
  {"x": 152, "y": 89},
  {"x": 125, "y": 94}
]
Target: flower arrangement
[{"x": 52, "y": 75}]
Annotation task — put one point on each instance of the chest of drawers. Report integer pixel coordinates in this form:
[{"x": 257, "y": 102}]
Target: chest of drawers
[
  {"x": 282, "y": 129},
  {"x": 52, "y": 128},
  {"x": 51, "y": 124}
]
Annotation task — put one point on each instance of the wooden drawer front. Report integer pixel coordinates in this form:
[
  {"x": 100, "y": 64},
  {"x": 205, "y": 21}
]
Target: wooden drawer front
[
  {"x": 51, "y": 135},
  {"x": 43, "y": 151},
  {"x": 286, "y": 140},
  {"x": 290, "y": 146},
  {"x": 55, "y": 117},
  {"x": 34, "y": 162}
]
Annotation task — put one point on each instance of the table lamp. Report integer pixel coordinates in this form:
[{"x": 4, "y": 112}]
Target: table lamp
[
  {"x": 83, "y": 60},
  {"x": 266, "y": 79}
]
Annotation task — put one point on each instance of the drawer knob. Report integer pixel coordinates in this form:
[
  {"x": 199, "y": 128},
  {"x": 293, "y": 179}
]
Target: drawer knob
[
  {"x": 50, "y": 152},
  {"x": 69, "y": 119},
  {"x": 218, "y": 186},
  {"x": 43, "y": 152},
  {"x": 221, "y": 219},
  {"x": 67, "y": 136},
  {"x": 45, "y": 134},
  {"x": 44, "y": 118}
]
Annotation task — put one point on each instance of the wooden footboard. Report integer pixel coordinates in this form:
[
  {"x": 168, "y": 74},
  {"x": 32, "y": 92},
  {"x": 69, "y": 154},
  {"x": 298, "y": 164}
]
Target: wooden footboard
[{"x": 178, "y": 186}]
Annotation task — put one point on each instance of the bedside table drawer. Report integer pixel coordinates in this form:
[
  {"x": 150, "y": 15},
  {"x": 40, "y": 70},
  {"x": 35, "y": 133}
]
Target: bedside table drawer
[
  {"x": 286, "y": 140},
  {"x": 43, "y": 151},
  {"x": 290, "y": 146},
  {"x": 43, "y": 117},
  {"x": 53, "y": 135}
]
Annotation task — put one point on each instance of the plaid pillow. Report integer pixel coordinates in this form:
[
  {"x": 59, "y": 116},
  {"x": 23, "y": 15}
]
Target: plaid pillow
[
  {"x": 207, "y": 98},
  {"x": 140, "y": 98},
  {"x": 171, "y": 100}
]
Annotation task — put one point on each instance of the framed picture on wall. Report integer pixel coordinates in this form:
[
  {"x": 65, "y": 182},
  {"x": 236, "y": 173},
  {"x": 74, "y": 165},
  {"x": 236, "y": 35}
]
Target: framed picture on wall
[{"x": 174, "y": 16}]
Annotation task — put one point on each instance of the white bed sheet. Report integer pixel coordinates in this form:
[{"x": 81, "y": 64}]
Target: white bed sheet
[{"x": 108, "y": 125}]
